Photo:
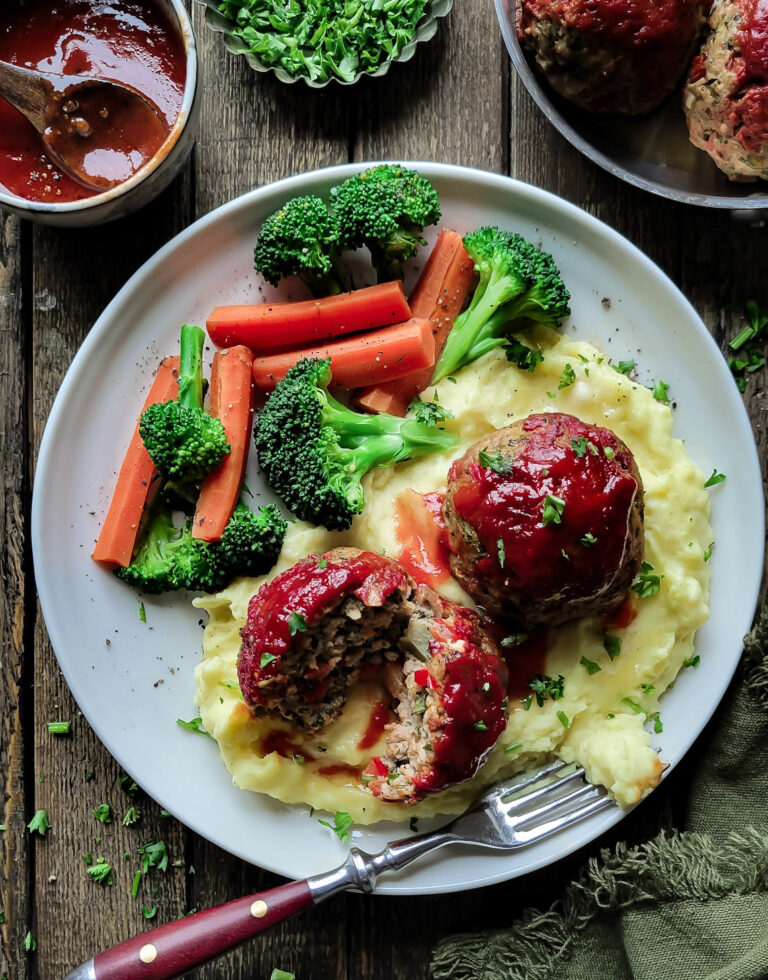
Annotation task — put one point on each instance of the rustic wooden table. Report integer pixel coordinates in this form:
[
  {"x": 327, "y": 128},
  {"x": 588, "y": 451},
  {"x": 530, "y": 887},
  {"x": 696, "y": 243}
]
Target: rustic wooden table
[{"x": 458, "y": 101}]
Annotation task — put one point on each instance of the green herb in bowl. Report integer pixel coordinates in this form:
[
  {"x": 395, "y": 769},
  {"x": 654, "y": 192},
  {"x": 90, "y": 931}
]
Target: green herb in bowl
[{"x": 321, "y": 40}]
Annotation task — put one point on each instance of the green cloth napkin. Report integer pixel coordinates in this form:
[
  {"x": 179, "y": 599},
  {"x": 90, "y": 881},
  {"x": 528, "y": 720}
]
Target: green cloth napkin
[{"x": 690, "y": 904}]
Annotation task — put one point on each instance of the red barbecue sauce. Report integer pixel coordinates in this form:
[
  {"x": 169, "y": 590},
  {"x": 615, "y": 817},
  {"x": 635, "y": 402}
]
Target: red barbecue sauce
[
  {"x": 422, "y": 536},
  {"x": 125, "y": 41},
  {"x": 506, "y": 509}
]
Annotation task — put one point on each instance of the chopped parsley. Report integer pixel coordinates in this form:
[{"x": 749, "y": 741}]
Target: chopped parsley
[
  {"x": 648, "y": 689},
  {"x": 429, "y": 413},
  {"x": 692, "y": 661},
  {"x": 608, "y": 452},
  {"x": 495, "y": 462},
  {"x": 132, "y": 814},
  {"x": 582, "y": 444},
  {"x": 545, "y": 687},
  {"x": 153, "y": 854},
  {"x": 567, "y": 377},
  {"x": 589, "y": 665},
  {"x": 103, "y": 813},
  {"x": 587, "y": 539},
  {"x": 419, "y": 705},
  {"x": 149, "y": 913},
  {"x": 661, "y": 392},
  {"x": 612, "y": 645},
  {"x": 715, "y": 479},
  {"x": 101, "y": 872},
  {"x": 553, "y": 510},
  {"x": 514, "y": 640},
  {"x": 266, "y": 658},
  {"x": 321, "y": 563},
  {"x": 647, "y": 583},
  {"x": 142, "y": 612},
  {"x": 708, "y": 552},
  {"x": 481, "y": 726},
  {"x": 297, "y": 623},
  {"x": 633, "y": 705},
  {"x": 500, "y": 551},
  {"x": 29, "y": 943},
  {"x": 59, "y": 727},
  {"x": 39, "y": 823},
  {"x": 564, "y": 720},
  {"x": 284, "y": 974},
  {"x": 194, "y": 725},
  {"x": 524, "y": 357},
  {"x": 657, "y": 725},
  {"x": 753, "y": 357},
  {"x": 514, "y": 747},
  {"x": 341, "y": 824},
  {"x": 624, "y": 367},
  {"x": 487, "y": 686}
]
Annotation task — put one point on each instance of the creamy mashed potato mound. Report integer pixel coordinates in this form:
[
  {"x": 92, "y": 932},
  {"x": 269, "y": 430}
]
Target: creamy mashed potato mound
[{"x": 610, "y": 713}]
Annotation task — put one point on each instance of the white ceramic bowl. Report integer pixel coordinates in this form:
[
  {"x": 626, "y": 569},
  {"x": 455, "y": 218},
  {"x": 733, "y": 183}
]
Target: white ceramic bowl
[{"x": 147, "y": 182}]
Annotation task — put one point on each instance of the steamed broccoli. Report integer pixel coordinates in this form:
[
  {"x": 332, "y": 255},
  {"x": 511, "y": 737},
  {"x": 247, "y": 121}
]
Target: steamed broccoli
[
  {"x": 184, "y": 441},
  {"x": 517, "y": 280},
  {"x": 386, "y": 208},
  {"x": 314, "y": 451},
  {"x": 169, "y": 558},
  {"x": 301, "y": 239}
]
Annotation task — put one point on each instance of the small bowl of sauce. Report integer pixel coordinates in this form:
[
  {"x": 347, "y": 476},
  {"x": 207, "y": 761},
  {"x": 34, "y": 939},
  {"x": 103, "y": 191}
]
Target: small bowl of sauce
[{"x": 145, "y": 45}]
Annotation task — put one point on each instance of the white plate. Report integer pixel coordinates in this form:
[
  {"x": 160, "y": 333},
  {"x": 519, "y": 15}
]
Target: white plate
[{"x": 112, "y": 661}]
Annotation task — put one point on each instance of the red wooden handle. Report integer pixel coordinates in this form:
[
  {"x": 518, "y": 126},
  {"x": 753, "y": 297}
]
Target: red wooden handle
[{"x": 177, "y": 947}]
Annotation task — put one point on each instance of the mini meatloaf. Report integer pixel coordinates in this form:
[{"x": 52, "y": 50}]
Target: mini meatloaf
[
  {"x": 611, "y": 56},
  {"x": 545, "y": 519},
  {"x": 450, "y": 699},
  {"x": 726, "y": 98}
]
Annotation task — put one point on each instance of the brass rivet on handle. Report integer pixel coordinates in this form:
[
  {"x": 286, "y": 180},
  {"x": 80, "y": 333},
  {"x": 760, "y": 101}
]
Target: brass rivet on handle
[
  {"x": 148, "y": 953},
  {"x": 259, "y": 909}
]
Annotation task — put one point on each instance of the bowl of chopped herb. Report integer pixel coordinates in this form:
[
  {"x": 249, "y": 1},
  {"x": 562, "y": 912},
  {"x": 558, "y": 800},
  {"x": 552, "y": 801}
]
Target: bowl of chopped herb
[{"x": 319, "y": 41}]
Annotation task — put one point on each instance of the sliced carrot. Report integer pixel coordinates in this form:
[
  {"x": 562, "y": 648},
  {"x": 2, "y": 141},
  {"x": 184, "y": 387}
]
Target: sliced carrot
[
  {"x": 284, "y": 326},
  {"x": 439, "y": 295},
  {"x": 137, "y": 481},
  {"x": 369, "y": 358},
  {"x": 231, "y": 400}
]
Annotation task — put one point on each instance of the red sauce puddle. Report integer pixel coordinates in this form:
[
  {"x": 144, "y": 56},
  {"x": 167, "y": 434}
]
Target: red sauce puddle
[
  {"x": 339, "y": 770},
  {"x": 422, "y": 537},
  {"x": 625, "y": 614},
  {"x": 376, "y": 724},
  {"x": 282, "y": 743},
  {"x": 125, "y": 41}
]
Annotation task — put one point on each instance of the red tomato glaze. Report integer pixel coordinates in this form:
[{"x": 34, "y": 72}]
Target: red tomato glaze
[
  {"x": 422, "y": 537},
  {"x": 633, "y": 22},
  {"x": 125, "y": 41},
  {"x": 541, "y": 559},
  {"x": 376, "y": 725}
]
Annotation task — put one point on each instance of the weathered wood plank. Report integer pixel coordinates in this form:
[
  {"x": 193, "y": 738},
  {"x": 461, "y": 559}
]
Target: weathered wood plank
[
  {"x": 15, "y": 675},
  {"x": 76, "y": 273}
]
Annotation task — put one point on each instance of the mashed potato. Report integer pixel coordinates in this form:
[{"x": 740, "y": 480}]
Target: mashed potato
[{"x": 606, "y": 718}]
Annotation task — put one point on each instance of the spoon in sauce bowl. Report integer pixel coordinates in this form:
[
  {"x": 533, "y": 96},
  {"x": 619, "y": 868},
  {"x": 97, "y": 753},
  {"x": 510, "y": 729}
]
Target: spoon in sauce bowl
[{"x": 98, "y": 131}]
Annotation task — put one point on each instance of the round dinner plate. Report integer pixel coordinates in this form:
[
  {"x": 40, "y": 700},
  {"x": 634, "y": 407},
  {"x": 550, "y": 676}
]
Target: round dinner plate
[{"x": 134, "y": 679}]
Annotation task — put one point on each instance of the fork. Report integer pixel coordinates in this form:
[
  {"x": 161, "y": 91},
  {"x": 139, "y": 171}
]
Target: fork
[{"x": 511, "y": 815}]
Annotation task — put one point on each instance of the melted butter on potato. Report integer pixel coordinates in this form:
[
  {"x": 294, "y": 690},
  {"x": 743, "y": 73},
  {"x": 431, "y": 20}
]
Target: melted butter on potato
[{"x": 606, "y": 735}]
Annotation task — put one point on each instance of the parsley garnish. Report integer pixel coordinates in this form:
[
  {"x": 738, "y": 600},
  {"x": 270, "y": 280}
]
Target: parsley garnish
[
  {"x": 648, "y": 689},
  {"x": 525, "y": 357},
  {"x": 567, "y": 377},
  {"x": 657, "y": 725},
  {"x": 132, "y": 814},
  {"x": 481, "y": 726},
  {"x": 297, "y": 623},
  {"x": 624, "y": 367},
  {"x": 647, "y": 582},
  {"x": 101, "y": 872},
  {"x": 39, "y": 823},
  {"x": 429, "y": 413},
  {"x": 321, "y": 563},
  {"x": 715, "y": 479},
  {"x": 754, "y": 357},
  {"x": 500, "y": 551},
  {"x": 514, "y": 747},
  {"x": 194, "y": 725},
  {"x": 692, "y": 661},
  {"x": 612, "y": 645},
  {"x": 149, "y": 913},
  {"x": 142, "y": 612},
  {"x": 564, "y": 720},
  {"x": 154, "y": 854},
  {"x": 633, "y": 705},
  {"x": 661, "y": 392},
  {"x": 544, "y": 686},
  {"x": 590, "y": 665},
  {"x": 58, "y": 727},
  {"x": 341, "y": 824},
  {"x": 284, "y": 974},
  {"x": 495, "y": 462},
  {"x": 266, "y": 658},
  {"x": 553, "y": 510},
  {"x": 419, "y": 705},
  {"x": 588, "y": 539},
  {"x": 608, "y": 452},
  {"x": 29, "y": 943},
  {"x": 514, "y": 640},
  {"x": 103, "y": 813},
  {"x": 487, "y": 686},
  {"x": 708, "y": 552}
]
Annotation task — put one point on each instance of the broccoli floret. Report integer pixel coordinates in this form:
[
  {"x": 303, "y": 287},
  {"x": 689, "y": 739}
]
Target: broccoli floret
[
  {"x": 184, "y": 441},
  {"x": 252, "y": 540},
  {"x": 169, "y": 558},
  {"x": 314, "y": 451},
  {"x": 301, "y": 239},
  {"x": 517, "y": 280},
  {"x": 386, "y": 208}
]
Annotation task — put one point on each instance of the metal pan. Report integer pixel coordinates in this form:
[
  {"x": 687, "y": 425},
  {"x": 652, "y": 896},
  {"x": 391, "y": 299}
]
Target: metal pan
[{"x": 652, "y": 152}]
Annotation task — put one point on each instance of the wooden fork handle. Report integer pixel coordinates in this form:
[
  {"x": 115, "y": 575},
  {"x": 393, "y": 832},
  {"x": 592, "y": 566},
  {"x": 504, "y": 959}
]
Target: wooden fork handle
[{"x": 180, "y": 946}]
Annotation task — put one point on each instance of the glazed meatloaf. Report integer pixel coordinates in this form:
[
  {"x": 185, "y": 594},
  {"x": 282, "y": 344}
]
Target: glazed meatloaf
[
  {"x": 726, "y": 97},
  {"x": 611, "y": 56},
  {"x": 311, "y": 629},
  {"x": 545, "y": 519}
]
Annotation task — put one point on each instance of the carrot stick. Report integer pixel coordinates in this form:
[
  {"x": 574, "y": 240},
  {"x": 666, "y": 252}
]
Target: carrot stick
[
  {"x": 231, "y": 400},
  {"x": 284, "y": 326},
  {"x": 369, "y": 358},
  {"x": 137, "y": 481},
  {"x": 439, "y": 295}
]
